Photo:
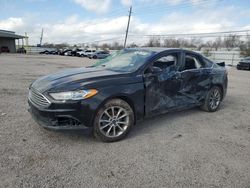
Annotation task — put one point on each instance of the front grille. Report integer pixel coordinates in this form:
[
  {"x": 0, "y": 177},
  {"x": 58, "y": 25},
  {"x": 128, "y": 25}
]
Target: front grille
[
  {"x": 68, "y": 122},
  {"x": 38, "y": 99}
]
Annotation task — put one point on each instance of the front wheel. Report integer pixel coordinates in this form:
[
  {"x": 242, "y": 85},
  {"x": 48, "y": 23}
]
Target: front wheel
[
  {"x": 212, "y": 100},
  {"x": 113, "y": 121}
]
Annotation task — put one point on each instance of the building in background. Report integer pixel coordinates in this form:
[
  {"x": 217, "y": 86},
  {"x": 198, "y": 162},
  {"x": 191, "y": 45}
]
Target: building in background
[{"x": 8, "y": 41}]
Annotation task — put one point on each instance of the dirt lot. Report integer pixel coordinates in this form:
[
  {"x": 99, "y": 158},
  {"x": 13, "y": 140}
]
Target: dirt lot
[{"x": 185, "y": 149}]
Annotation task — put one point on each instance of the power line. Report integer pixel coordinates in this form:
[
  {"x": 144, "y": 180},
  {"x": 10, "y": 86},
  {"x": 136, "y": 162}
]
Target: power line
[
  {"x": 103, "y": 40},
  {"x": 152, "y": 10},
  {"x": 152, "y": 6},
  {"x": 120, "y": 11}
]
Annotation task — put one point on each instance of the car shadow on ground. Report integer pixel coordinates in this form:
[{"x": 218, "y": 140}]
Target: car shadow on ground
[
  {"x": 146, "y": 126},
  {"x": 143, "y": 127},
  {"x": 149, "y": 125}
]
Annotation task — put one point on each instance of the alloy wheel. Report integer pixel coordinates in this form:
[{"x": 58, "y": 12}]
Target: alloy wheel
[
  {"x": 114, "y": 121},
  {"x": 215, "y": 98}
]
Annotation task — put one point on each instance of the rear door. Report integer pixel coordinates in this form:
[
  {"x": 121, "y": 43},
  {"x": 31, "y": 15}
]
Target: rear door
[{"x": 195, "y": 80}]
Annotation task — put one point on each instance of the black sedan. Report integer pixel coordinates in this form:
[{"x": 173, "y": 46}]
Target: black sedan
[
  {"x": 244, "y": 64},
  {"x": 128, "y": 86}
]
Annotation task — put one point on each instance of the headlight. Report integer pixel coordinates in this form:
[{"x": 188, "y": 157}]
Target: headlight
[{"x": 74, "y": 95}]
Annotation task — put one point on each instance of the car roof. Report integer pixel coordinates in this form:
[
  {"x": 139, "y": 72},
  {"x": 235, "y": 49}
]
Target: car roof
[{"x": 161, "y": 49}]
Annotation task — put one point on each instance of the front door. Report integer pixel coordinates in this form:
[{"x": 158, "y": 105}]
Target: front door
[{"x": 162, "y": 83}]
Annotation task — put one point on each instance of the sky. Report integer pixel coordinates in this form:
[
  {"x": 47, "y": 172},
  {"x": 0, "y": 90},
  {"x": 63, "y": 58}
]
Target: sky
[{"x": 85, "y": 21}]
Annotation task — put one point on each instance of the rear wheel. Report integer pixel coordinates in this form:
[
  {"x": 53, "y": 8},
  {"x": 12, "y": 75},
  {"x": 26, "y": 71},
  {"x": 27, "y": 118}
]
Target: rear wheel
[
  {"x": 212, "y": 100},
  {"x": 113, "y": 121}
]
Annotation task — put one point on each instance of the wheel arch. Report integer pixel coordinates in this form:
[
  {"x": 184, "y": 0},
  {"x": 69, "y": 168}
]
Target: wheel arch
[{"x": 121, "y": 97}]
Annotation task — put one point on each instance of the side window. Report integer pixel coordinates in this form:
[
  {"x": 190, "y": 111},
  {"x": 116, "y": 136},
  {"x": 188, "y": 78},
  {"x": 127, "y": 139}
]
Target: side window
[
  {"x": 192, "y": 62},
  {"x": 166, "y": 61},
  {"x": 207, "y": 62}
]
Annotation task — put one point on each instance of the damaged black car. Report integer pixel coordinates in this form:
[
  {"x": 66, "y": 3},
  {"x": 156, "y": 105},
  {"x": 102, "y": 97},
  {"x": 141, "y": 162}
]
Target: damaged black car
[{"x": 128, "y": 86}]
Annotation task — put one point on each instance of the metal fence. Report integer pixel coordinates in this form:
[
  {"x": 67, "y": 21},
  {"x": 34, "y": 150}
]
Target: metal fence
[{"x": 230, "y": 58}]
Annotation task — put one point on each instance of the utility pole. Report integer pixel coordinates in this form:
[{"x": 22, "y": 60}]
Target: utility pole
[
  {"x": 130, "y": 11},
  {"x": 41, "y": 38}
]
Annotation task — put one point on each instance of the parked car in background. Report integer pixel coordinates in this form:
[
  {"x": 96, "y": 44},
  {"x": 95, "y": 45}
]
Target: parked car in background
[
  {"x": 63, "y": 51},
  {"x": 45, "y": 52},
  {"x": 74, "y": 51},
  {"x": 4, "y": 49},
  {"x": 80, "y": 53},
  {"x": 21, "y": 50},
  {"x": 49, "y": 52},
  {"x": 54, "y": 52},
  {"x": 88, "y": 52},
  {"x": 68, "y": 53},
  {"x": 244, "y": 64},
  {"x": 122, "y": 89},
  {"x": 99, "y": 55}
]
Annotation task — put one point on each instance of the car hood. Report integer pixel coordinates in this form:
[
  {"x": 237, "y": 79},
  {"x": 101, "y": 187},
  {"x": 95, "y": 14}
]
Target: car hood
[
  {"x": 244, "y": 61},
  {"x": 72, "y": 79}
]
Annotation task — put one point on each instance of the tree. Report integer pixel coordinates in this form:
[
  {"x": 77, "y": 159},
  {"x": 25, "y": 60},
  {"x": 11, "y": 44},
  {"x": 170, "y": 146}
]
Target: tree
[
  {"x": 232, "y": 41},
  {"x": 217, "y": 43},
  {"x": 105, "y": 46},
  {"x": 61, "y": 46},
  {"x": 116, "y": 46},
  {"x": 197, "y": 42},
  {"x": 48, "y": 45},
  {"x": 154, "y": 42},
  {"x": 133, "y": 45},
  {"x": 171, "y": 43},
  {"x": 245, "y": 47},
  {"x": 209, "y": 45}
]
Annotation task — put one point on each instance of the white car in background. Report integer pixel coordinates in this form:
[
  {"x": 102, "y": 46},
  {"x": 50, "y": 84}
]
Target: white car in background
[
  {"x": 87, "y": 53},
  {"x": 80, "y": 53},
  {"x": 84, "y": 53}
]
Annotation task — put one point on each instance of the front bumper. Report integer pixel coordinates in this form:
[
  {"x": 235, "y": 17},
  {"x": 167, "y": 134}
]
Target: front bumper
[{"x": 58, "y": 119}]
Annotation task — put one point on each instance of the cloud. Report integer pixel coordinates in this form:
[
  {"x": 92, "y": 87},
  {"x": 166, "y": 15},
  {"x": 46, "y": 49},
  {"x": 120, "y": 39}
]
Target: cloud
[
  {"x": 11, "y": 23},
  {"x": 75, "y": 30},
  {"x": 126, "y": 2},
  {"x": 98, "y": 6}
]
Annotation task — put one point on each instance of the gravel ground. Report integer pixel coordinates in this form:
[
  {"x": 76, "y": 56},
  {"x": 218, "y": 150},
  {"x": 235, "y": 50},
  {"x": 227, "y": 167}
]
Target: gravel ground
[{"x": 185, "y": 149}]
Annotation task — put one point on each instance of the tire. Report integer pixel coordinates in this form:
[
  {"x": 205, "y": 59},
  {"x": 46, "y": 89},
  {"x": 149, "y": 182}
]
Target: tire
[
  {"x": 213, "y": 99},
  {"x": 113, "y": 121},
  {"x": 94, "y": 57}
]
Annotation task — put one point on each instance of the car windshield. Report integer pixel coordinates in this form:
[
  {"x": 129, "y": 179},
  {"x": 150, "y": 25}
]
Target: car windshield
[{"x": 124, "y": 60}]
